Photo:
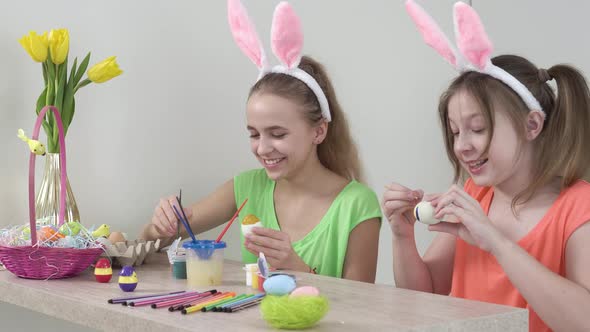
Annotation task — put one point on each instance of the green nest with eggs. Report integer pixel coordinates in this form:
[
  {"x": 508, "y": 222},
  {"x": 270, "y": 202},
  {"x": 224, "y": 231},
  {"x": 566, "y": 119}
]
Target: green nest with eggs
[{"x": 293, "y": 312}]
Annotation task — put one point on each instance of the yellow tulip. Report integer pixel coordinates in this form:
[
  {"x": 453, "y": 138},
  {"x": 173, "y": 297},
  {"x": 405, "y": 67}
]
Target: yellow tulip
[
  {"x": 59, "y": 45},
  {"x": 36, "y": 45},
  {"x": 104, "y": 70}
]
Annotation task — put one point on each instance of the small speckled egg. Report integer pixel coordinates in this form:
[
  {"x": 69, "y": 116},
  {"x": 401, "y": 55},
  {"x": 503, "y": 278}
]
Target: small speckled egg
[
  {"x": 127, "y": 279},
  {"x": 279, "y": 285},
  {"x": 424, "y": 213}
]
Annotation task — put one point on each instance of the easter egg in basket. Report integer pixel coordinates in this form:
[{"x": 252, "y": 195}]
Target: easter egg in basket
[{"x": 71, "y": 228}]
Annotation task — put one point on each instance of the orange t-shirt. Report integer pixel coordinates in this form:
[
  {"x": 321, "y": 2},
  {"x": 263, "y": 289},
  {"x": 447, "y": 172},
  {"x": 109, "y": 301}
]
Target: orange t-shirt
[{"x": 478, "y": 276}]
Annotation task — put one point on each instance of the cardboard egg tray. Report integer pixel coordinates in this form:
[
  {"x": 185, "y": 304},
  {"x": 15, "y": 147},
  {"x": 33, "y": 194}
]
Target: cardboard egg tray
[{"x": 132, "y": 253}]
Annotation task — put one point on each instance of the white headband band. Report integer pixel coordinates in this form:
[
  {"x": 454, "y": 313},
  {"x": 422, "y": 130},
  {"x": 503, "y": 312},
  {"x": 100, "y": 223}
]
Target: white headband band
[
  {"x": 473, "y": 44},
  {"x": 286, "y": 43},
  {"x": 304, "y": 77}
]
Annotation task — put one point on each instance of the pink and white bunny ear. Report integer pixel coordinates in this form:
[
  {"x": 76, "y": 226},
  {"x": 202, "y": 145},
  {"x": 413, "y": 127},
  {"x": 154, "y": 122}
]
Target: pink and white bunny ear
[
  {"x": 472, "y": 40},
  {"x": 244, "y": 33},
  {"x": 286, "y": 35},
  {"x": 431, "y": 32}
]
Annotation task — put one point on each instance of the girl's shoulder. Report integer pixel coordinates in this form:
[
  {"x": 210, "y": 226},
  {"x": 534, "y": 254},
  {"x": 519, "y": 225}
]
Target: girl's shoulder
[
  {"x": 578, "y": 188},
  {"x": 572, "y": 208},
  {"x": 359, "y": 201},
  {"x": 576, "y": 196},
  {"x": 358, "y": 191}
]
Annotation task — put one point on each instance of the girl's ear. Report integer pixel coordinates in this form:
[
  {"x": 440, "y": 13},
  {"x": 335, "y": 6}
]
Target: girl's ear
[
  {"x": 320, "y": 132},
  {"x": 534, "y": 125}
]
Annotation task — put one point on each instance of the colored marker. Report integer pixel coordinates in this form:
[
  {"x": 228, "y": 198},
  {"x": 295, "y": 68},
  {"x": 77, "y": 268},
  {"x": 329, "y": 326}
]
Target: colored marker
[
  {"x": 238, "y": 302},
  {"x": 125, "y": 299},
  {"x": 235, "y": 300},
  {"x": 198, "y": 307},
  {"x": 201, "y": 300},
  {"x": 246, "y": 301},
  {"x": 159, "y": 299},
  {"x": 188, "y": 303},
  {"x": 212, "y": 306},
  {"x": 248, "y": 305},
  {"x": 179, "y": 300}
]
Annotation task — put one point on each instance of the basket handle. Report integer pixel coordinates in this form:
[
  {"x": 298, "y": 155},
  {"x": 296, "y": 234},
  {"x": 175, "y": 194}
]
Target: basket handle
[{"x": 62, "y": 162}]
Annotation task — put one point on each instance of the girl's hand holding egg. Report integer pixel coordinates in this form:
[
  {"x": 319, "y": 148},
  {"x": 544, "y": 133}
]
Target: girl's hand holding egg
[
  {"x": 250, "y": 221},
  {"x": 424, "y": 212}
]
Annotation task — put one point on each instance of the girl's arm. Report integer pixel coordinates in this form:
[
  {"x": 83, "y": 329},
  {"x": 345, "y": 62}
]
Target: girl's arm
[
  {"x": 433, "y": 273},
  {"x": 562, "y": 303},
  {"x": 360, "y": 262},
  {"x": 210, "y": 212}
]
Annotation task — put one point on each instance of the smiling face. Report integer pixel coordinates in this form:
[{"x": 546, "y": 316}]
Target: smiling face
[
  {"x": 281, "y": 138},
  {"x": 488, "y": 162},
  {"x": 541, "y": 151},
  {"x": 492, "y": 147}
]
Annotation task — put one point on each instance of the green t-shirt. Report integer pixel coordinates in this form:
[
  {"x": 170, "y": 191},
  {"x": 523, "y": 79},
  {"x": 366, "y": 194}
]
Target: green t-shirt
[{"x": 324, "y": 247}]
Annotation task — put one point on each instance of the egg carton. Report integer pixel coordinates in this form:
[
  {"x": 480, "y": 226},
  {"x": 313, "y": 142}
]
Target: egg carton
[{"x": 131, "y": 253}]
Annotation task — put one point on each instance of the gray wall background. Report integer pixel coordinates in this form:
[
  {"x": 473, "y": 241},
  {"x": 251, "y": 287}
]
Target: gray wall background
[{"x": 175, "y": 118}]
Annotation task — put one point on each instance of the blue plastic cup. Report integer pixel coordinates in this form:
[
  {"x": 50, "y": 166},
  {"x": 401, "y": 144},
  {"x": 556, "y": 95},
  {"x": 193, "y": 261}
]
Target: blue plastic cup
[{"x": 204, "y": 263}]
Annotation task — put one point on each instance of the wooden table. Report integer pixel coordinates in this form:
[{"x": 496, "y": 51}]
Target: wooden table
[{"x": 355, "y": 306}]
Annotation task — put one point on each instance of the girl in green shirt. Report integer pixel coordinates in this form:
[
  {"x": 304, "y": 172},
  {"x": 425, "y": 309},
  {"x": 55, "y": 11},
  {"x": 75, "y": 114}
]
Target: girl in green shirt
[{"x": 316, "y": 215}]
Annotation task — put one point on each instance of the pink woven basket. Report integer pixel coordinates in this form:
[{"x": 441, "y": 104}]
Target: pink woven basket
[{"x": 34, "y": 261}]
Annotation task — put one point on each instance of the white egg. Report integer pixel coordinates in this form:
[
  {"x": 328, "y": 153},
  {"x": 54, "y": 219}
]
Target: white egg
[
  {"x": 424, "y": 213},
  {"x": 247, "y": 229}
]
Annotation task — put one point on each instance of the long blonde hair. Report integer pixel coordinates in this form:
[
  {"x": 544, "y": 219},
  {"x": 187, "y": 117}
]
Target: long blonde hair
[{"x": 338, "y": 151}]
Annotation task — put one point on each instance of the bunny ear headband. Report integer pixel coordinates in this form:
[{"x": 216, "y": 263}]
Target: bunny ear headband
[
  {"x": 286, "y": 42},
  {"x": 473, "y": 44}
]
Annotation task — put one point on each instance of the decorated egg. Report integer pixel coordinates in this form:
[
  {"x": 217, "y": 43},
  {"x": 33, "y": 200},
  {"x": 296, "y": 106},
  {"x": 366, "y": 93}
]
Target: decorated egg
[
  {"x": 47, "y": 233},
  {"x": 103, "y": 271},
  {"x": 102, "y": 231},
  {"x": 250, "y": 221},
  {"x": 305, "y": 291},
  {"x": 424, "y": 213},
  {"x": 71, "y": 228},
  {"x": 279, "y": 285},
  {"x": 127, "y": 279}
]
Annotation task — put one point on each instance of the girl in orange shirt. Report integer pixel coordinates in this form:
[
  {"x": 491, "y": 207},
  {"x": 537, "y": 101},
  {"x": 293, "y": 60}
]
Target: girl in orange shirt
[{"x": 522, "y": 236}]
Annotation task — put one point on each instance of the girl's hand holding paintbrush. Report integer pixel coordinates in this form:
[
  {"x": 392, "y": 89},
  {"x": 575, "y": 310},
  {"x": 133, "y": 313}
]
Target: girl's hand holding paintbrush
[
  {"x": 164, "y": 219},
  {"x": 213, "y": 210}
]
